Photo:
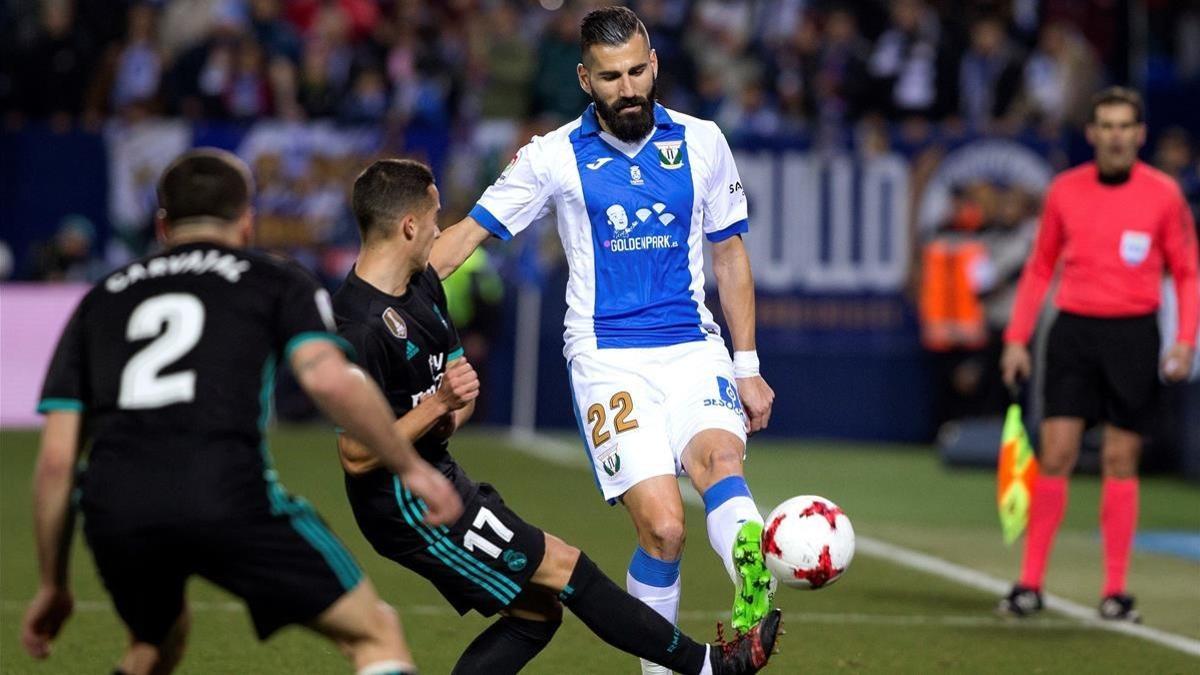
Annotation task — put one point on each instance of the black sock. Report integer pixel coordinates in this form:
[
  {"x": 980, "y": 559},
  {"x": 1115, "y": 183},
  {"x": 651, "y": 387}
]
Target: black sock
[
  {"x": 627, "y": 623},
  {"x": 506, "y": 646}
]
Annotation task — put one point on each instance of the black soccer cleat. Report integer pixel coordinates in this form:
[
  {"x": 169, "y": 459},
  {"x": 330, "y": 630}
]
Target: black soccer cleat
[
  {"x": 1119, "y": 607},
  {"x": 749, "y": 651},
  {"x": 1021, "y": 602}
]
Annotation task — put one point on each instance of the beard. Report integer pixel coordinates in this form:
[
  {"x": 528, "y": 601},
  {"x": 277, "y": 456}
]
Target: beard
[{"x": 629, "y": 127}]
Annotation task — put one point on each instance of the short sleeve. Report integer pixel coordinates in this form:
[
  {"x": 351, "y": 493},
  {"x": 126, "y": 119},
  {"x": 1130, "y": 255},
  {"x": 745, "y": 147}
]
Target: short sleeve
[
  {"x": 305, "y": 313},
  {"x": 64, "y": 387},
  {"x": 725, "y": 213},
  {"x": 518, "y": 197},
  {"x": 374, "y": 360}
]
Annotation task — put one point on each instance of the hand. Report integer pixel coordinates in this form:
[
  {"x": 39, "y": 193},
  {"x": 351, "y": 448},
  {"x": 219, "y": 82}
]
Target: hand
[
  {"x": 460, "y": 385},
  {"x": 439, "y": 494},
  {"x": 1015, "y": 364},
  {"x": 757, "y": 399},
  {"x": 1177, "y": 364},
  {"x": 44, "y": 618}
]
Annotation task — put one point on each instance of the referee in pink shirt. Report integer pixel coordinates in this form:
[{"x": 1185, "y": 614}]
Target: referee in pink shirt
[{"x": 1113, "y": 226}]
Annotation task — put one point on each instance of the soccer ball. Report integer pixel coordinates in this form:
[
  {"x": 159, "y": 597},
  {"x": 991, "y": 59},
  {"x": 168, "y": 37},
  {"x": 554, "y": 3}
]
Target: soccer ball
[{"x": 808, "y": 542}]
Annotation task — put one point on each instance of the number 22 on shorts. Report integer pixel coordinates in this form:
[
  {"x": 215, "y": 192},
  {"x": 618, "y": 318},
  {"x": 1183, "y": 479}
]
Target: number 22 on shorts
[{"x": 621, "y": 403}]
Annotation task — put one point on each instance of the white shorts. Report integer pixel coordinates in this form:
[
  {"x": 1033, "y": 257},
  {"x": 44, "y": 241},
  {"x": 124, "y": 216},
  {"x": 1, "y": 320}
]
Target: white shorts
[{"x": 638, "y": 408}]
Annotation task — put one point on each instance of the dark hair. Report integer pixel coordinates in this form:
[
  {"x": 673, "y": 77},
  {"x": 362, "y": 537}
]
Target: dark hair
[
  {"x": 386, "y": 191},
  {"x": 204, "y": 183},
  {"x": 609, "y": 26},
  {"x": 1113, "y": 95}
]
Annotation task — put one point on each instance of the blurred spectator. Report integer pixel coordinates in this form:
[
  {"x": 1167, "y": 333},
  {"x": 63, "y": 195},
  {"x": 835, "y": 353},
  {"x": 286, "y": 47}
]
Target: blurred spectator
[
  {"x": 277, "y": 37},
  {"x": 317, "y": 91},
  {"x": 989, "y": 76},
  {"x": 905, "y": 61},
  {"x": 1059, "y": 78},
  {"x": 969, "y": 273},
  {"x": 839, "y": 82},
  {"x": 718, "y": 42},
  {"x": 68, "y": 256},
  {"x": 1173, "y": 155},
  {"x": 750, "y": 113},
  {"x": 556, "y": 91},
  {"x": 357, "y": 17},
  {"x": 508, "y": 64},
  {"x": 247, "y": 93},
  {"x": 367, "y": 100},
  {"x": 55, "y": 69},
  {"x": 187, "y": 23},
  {"x": 130, "y": 75}
]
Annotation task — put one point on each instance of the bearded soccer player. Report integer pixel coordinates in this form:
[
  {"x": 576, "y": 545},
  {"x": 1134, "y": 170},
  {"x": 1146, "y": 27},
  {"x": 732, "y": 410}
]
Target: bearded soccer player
[
  {"x": 635, "y": 188},
  {"x": 392, "y": 309},
  {"x": 165, "y": 370},
  {"x": 1114, "y": 224}
]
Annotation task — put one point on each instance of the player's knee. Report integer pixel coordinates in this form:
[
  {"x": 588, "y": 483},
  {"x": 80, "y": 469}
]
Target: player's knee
[
  {"x": 385, "y": 629},
  {"x": 725, "y": 461},
  {"x": 558, "y": 562},
  {"x": 1118, "y": 466},
  {"x": 1057, "y": 459},
  {"x": 666, "y": 537}
]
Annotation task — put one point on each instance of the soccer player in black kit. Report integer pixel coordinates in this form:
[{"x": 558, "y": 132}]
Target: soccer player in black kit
[
  {"x": 166, "y": 370},
  {"x": 392, "y": 310}
]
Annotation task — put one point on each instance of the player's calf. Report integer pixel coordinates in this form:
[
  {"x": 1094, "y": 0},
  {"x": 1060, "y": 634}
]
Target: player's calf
[{"x": 368, "y": 631}]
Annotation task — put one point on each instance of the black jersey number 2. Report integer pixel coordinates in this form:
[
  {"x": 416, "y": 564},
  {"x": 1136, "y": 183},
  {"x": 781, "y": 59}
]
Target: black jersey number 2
[{"x": 175, "y": 321}]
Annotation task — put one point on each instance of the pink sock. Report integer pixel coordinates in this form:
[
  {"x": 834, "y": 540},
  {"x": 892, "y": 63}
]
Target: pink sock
[
  {"x": 1046, "y": 509},
  {"x": 1118, "y": 522}
]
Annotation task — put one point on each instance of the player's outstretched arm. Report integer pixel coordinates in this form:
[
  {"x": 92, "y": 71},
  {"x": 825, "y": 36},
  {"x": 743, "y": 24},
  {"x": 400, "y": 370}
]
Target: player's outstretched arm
[
  {"x": 455, "y": 244},
  {"x": 735, "y": 283},
  {"x": 355, "y": 403},
  {"x": 53, "y": 527}
]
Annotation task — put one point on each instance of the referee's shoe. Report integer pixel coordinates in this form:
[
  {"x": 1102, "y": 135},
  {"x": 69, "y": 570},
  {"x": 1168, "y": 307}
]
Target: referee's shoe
[
  {"x": 1021, "y": 602},
  {"x": 1119, "y": 607}
]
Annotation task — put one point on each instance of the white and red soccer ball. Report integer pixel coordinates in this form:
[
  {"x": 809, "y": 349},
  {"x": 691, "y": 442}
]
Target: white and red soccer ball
[{"x": 808, "y": 542}]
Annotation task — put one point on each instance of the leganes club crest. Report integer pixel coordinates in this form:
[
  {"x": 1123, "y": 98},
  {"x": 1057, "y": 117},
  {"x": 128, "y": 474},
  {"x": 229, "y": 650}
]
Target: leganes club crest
[{"x": 669, "y": 154}]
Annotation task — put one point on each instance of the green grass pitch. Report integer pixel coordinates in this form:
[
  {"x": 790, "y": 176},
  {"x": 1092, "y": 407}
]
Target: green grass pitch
[{"x": 880, "y": 618}]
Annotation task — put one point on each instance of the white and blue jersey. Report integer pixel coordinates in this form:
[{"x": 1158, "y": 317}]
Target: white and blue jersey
[{"x": 631, "y": 217}]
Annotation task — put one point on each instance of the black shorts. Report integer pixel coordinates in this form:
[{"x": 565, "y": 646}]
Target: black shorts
[
  {"x": 1103, "y": 369},
  {"x": 482, "y": 562},
  {"x": 287, "y": 566}
]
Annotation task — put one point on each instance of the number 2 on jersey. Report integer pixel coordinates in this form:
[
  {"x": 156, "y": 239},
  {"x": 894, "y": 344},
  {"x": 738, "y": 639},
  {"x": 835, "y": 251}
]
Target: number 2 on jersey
[
  {"x": 141, "y": 385},
  {"x": 622, "y": 404}
]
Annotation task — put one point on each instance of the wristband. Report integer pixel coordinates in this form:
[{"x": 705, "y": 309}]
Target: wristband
[{"x": 745, "y": 364}]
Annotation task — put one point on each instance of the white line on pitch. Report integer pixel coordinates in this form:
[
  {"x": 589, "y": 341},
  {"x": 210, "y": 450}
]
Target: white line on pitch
[
  {"x": 567, "y": 454},
  {"x": 208, "y": 606}
]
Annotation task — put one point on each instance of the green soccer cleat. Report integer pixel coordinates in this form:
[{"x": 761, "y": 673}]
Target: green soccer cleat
[{"x": 752, "y": 580}]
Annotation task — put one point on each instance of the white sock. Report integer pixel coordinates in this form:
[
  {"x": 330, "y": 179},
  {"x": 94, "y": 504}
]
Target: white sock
[
  {"x": 387, "y": 668},
  {"x": 656, "y": 583},
  {"x": 727, "y": 505}
]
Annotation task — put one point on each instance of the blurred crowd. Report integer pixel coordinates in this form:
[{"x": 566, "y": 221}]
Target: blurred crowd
[
  {"x": 760, "y": 66},
  {"x": 318, "y": 88}
]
